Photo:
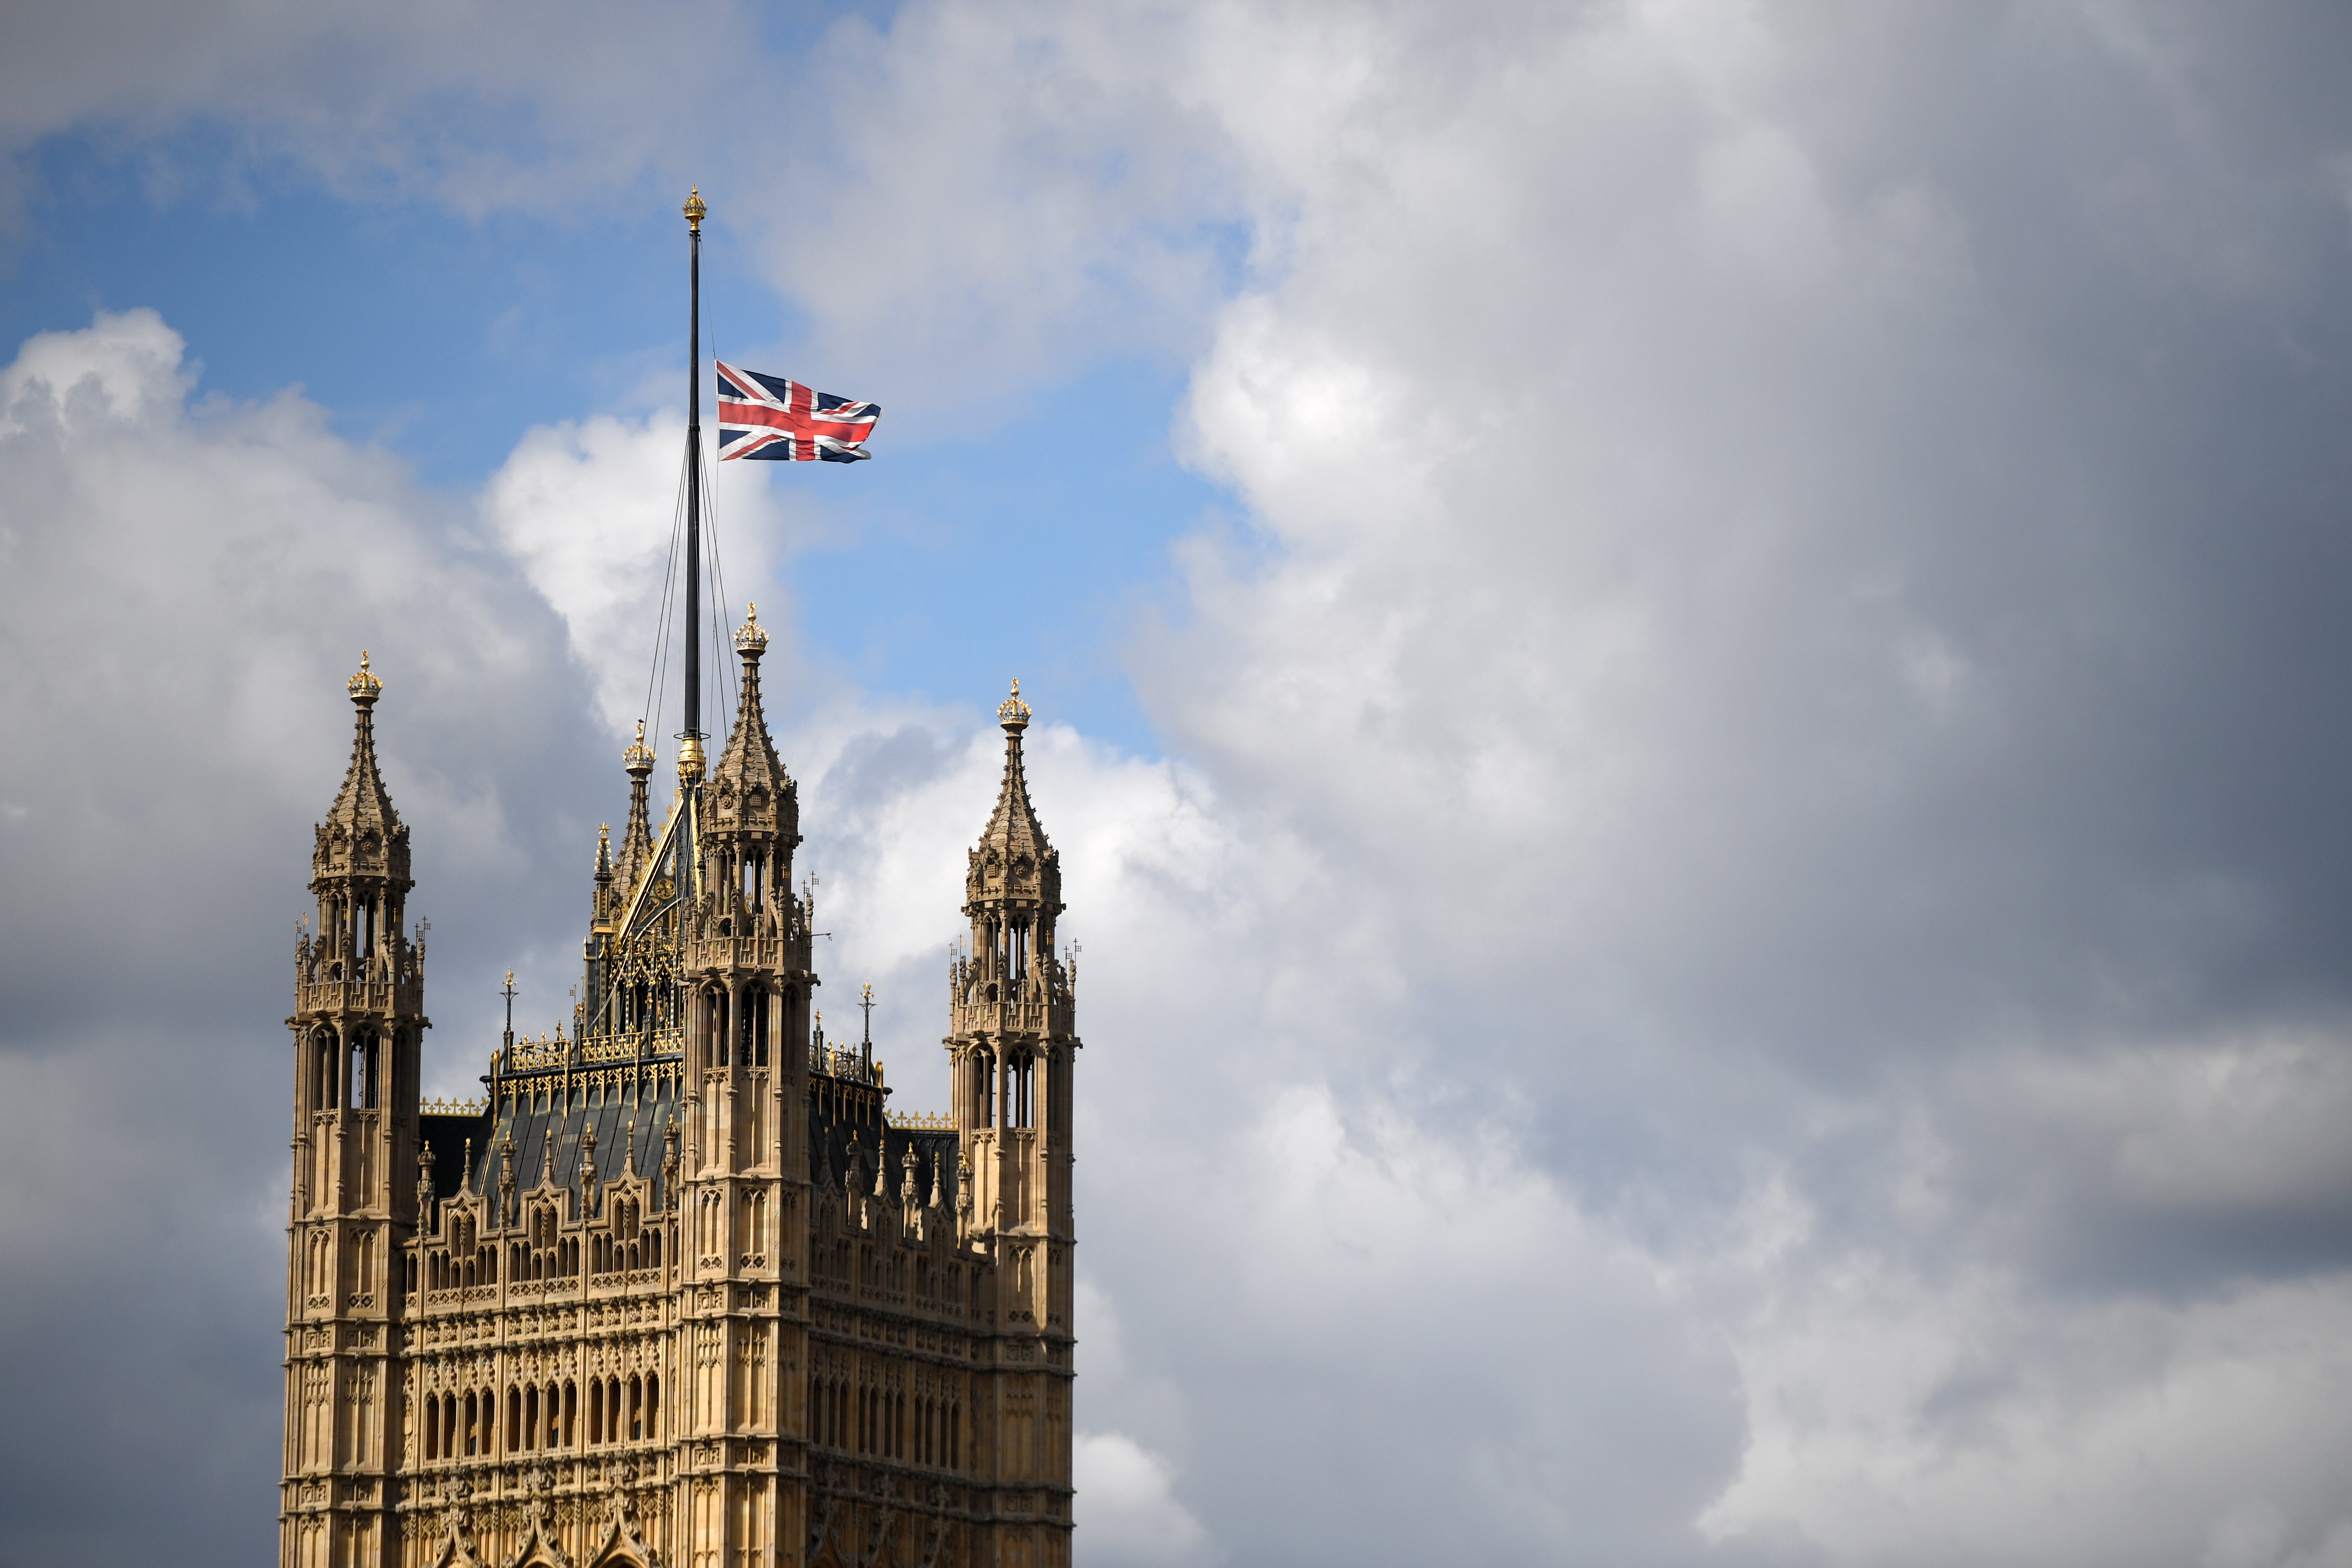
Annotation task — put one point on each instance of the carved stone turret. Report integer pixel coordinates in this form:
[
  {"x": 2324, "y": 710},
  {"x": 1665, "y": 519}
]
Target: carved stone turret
[
  {"x": 358, "y": 1025},
  {"x": 1012, "y": 1046},
  {"x": 637, "y": 837}
]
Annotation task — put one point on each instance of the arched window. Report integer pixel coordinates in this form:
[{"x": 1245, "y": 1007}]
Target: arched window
[
  {"x": 323, "y": 1073},
  {"x": 528, "y": 1438},
  {"x": 473, "y": 1424},
  {"x": 571, "y": 1414},
  {"x": 653, "y": 1405}
]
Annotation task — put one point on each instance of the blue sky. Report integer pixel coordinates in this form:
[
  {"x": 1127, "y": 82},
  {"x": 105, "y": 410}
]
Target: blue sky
[{"x": 1046, "y": 509}]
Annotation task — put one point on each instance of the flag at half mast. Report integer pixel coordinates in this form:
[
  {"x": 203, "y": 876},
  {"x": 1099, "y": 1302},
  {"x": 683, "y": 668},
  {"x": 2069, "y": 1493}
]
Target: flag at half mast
[{"x": 776, "y": 420}]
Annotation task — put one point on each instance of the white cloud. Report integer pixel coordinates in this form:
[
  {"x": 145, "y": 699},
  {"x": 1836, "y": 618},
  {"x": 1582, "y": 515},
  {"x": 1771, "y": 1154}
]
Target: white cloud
[
  {"x": 183, "y": 590},
  {"x": 1895, "y": 1418},
  {"x": 578, "y": 504},
  {"x": 1130, "y": 1514}
]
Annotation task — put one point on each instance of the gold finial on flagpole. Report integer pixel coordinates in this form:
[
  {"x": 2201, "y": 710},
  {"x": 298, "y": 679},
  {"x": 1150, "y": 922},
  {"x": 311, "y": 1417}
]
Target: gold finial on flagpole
[{"x": 694, "y": 209}]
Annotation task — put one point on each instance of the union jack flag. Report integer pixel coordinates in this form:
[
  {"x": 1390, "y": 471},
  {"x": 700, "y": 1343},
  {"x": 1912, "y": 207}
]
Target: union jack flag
[{"x": 768, "y": 417}]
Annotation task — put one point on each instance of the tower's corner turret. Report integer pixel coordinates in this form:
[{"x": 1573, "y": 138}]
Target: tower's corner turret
[{"x": 357, "y": 1024}]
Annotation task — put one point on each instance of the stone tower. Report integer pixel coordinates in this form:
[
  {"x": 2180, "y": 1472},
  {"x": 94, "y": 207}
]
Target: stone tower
[
  {"x": 357, "y": 1024},
  {"x": 680, "y": 1291},
  {"x": 1012, "y": 1045},
  {"x": 745, "y": 1191}
]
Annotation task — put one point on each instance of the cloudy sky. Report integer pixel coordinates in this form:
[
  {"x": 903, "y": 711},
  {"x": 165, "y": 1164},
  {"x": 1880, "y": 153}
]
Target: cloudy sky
[{"x": 1692, "y": 666}]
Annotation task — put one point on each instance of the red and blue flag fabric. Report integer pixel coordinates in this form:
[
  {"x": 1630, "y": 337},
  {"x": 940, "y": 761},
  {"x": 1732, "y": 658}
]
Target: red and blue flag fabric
[{"x": 776, "y": 420}]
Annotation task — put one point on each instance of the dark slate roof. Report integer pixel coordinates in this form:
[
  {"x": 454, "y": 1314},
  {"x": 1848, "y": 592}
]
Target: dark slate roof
[
  {"x": 830, "y": 1139},
  {"x": 560, "y": 1124}
]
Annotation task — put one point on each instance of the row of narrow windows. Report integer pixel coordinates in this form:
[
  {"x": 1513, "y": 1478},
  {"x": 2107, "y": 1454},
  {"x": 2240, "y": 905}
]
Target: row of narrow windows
[
  {"x": 889, "y": 1425},
  {"x": 452, "y": 1271},
  {"x": 738, "y": 1037},
  {"x": 355, "y": 927},
  {"x": 629, "y": 1245},
  {"x": 341, "y": 1081},
  {"x": 319, "y": 1264},
  {"x": 446, "y": 1271},
  {"x": 874, "y": 1269},
  {"x": 1006, "y": 1099},
  {"x": 465, "y": 1426},
  {"x": 613, "y": 1256},
  {"x": 646, "y": 1007}
]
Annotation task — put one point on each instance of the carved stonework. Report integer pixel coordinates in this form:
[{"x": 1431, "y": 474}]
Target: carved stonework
[{"x": 681, "y": 1288}]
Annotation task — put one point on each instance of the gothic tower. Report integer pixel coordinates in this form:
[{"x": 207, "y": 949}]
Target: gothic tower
[
  {"x": 358, "y": 1025},
  {"x": 1012, "y": 1046},
  {"x": 680, "y": 1291},
  {"x": 746, "y": 966}
]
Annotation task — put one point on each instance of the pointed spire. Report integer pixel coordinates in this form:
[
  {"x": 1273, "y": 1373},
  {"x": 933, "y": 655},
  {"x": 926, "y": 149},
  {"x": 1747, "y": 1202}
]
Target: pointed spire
[
  {"x": 1014, "y": 862},
  {"x": 751, "y": 791},
  {"x": 935, "y": 1181},
  {"x": 1013, "y": 826},
  {"x": 638, "y": 836},
  {"x": 361, "y": 834},
  {"x": 629, "y": 1150}
]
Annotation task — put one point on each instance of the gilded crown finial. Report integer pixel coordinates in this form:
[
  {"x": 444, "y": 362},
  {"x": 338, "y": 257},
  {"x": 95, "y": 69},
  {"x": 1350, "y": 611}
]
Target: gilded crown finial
[
  {"x": 694, "y": 209},
  {"x": 639, "y": 757},
  {"x": 1013, "y": 714},
  {"x": 751, "y": 637},
  {"x": 364, "y": 687}
]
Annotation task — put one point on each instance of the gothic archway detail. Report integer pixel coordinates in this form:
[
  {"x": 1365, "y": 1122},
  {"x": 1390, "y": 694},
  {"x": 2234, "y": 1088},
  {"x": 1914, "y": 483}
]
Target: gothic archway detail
[{"x": 621, "y": 1546}]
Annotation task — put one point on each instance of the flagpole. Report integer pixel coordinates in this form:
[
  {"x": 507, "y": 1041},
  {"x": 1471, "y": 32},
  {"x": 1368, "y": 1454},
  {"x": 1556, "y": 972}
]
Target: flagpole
[{"x": 689, "y": 752}]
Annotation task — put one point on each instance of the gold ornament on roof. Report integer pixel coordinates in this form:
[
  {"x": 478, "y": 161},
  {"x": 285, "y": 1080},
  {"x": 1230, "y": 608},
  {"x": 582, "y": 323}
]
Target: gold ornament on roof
[
  {"x": 364, "y": 687},
  {"x": 639, "y": 757},
  {"x": 1013, "y": 714},
  {"x": 694, "y": 209},
  {"x": 752, "y": 639}
]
